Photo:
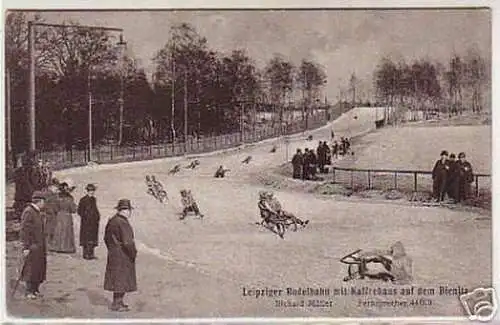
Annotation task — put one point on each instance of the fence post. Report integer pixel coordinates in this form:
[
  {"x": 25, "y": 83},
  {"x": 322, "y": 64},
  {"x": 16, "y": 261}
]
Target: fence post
[
  {"x": 395, "y": 180},
  {"x": 352, "y": 179},
  {"x": 111, "y": 152},
  {"x": 477, "y": 185},
  {"x": 333, "y": 169},
  {"x": 415, "y": 181},
  {"x": 369, "y": 181}
]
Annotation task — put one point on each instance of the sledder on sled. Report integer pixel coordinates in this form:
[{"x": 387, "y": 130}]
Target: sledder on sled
[
  {"x": 274, "y": 217},
  {"x": 175, "y": 170},
  {"x": 386, "y": 265},
  {"x": 189, "y": 204},
  {"x": 155, "y": 188}
]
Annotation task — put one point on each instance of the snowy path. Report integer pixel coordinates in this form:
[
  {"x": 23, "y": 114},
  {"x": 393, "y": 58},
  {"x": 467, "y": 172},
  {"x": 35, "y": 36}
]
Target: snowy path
[{"x": 228, "y": 248}]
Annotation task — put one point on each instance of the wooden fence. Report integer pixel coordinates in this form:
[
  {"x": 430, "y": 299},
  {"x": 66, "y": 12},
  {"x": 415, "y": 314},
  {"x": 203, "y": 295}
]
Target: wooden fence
[
  {"x": 415, "y": 180},
  {"x": 60, "y": 159}
]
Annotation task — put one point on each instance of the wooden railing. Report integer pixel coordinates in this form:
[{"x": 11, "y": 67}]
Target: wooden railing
[{"x": 370, "y": 174}]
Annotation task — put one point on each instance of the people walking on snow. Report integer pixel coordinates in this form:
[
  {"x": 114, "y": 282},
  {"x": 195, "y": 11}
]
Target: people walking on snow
[
  {"x": 33, "y": 241},
  {"x": 89, "y": 225},
  {"x": 63, "y": 240},
  {"x": 120, "y": 276},
  {"x": 439, "y": 176}
]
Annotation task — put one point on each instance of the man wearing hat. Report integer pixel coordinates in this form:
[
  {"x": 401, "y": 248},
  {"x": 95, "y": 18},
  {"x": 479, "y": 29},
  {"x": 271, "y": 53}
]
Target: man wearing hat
[
  {"x": 297, "y": 164},
  {"x": 439, "y": 175},
  {"x": 466, "y": 177},
  {"x": 89, "y": 226},
  {"x": 453, "y": 179},
  {"x": 120, "y": 275},
  {"x": 32, "y": 236}
]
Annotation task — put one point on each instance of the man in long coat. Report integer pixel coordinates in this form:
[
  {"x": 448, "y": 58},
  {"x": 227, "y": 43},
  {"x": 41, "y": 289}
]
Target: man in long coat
[
  {"x": 453, "y": 179},
  {"x": 33, "y": 239},
  {"x": 297, "y": 164},
  {"x": 305, "y": 164},
  {"x": 89, "y": 225},
  {"x": 439, "y": 174},
  {"x": 466, "y": 177},
  {"x": 120, "y": 276}
]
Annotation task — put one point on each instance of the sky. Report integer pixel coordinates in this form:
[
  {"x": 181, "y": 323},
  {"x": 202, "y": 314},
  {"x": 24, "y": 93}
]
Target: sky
[{"x": 342, "y": 41}]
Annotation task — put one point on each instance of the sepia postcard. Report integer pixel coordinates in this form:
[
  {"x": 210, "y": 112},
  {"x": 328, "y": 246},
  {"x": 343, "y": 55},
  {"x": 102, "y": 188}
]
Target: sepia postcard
[{"x": 300, "y": 164}]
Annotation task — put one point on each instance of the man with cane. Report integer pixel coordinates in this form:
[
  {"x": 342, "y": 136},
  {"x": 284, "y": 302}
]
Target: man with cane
[{"x": 33, "y": 239}]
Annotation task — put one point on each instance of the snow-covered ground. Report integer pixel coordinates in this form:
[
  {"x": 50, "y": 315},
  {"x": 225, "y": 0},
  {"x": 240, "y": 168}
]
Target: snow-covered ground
[{"x": 199, "y": 268}]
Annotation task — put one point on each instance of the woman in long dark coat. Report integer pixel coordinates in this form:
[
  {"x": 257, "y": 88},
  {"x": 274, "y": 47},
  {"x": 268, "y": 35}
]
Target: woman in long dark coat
[
  {"x": 120, "y": 276},
  {"x": 89, "y": 225},
  {"x": 63, "y": 239},
  {"x": 439, "y": 177}
]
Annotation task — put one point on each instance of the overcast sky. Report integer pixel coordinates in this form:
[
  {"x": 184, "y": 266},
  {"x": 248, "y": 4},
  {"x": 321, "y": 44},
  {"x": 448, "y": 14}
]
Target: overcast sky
[{"x": 343, "y": 41}]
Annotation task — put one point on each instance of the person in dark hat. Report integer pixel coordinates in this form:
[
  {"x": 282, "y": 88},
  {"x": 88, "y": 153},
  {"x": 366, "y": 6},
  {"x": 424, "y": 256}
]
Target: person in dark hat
[
  {"x": 120, "y": 275},
  {"x": 297, "y": 164},
  {"x": 453, "y": 179},
  {"x": 439, "y": 174},
  {"x": 32, "y": 236},
  {"x": 466, "y": 177},
  {"x": 305, "y": 164},
  {"x": 63, "y": 236},
  {"x": 89, "y": 225}
]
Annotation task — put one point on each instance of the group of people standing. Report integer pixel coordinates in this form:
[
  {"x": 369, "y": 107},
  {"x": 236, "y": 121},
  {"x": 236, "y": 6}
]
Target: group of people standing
[
  {"x": 308, "y": 163},
  {"x": 452, "y": 177},
  {"x": 47, "y": 225},
  {"x": 46, "y": 207}
]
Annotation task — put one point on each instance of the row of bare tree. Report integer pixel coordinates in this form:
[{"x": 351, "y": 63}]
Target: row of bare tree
[
  {"x": 428, "y": 86},
  {"x": 215, "y": 93}
]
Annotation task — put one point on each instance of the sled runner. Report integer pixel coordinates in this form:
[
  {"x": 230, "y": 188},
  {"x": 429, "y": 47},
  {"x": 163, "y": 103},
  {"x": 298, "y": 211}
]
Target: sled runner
[{"x": 280, "y": 223}]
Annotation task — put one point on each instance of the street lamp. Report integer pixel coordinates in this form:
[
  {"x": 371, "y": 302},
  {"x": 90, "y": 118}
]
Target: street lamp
[
  {"x": 31, "y": 84},
  {"x": 123, "y": 46}
]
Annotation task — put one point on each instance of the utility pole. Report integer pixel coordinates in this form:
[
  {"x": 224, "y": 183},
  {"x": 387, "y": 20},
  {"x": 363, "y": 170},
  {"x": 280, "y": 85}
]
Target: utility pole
[
  {"x": 185, "y": 111},
  {"x": 31, "y": 85},
  {"x": 90, "y": 115},
  {"x": 242, "y": 113},
  {"x": 32, "y": 66},
  {"x": 8, "y": 113},
  {"x": 122, "y": 44},
  {"x": 172, "y": 123}
]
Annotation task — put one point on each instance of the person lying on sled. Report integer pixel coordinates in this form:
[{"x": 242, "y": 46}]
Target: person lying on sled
[
  {"x": 396, "y": 265},
  {"x": 276, "y": 206},
  {"x": 189, "y": 204}
]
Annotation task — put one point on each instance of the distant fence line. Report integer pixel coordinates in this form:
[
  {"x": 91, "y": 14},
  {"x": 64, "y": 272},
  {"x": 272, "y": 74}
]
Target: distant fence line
[
  {"x": 61, "y": 159},
  {"x": 390, "y": 178}
]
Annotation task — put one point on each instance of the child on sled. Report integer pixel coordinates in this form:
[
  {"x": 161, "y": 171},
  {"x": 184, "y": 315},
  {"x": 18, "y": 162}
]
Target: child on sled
[{"x": 189, "y": 204}]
